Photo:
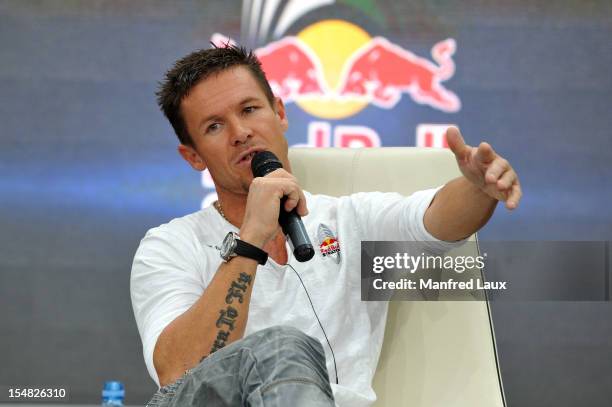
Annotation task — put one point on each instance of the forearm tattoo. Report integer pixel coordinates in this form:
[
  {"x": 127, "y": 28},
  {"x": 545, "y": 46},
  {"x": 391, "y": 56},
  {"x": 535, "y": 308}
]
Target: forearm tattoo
[{"x": 227, "y": 316}]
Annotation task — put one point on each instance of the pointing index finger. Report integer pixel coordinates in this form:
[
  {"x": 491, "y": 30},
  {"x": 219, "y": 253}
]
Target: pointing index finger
[{"x": 456, "y": 143}]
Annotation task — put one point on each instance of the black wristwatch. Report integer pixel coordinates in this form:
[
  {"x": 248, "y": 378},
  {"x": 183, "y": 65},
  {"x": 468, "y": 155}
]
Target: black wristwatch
[{"x": 232, "y": 246}]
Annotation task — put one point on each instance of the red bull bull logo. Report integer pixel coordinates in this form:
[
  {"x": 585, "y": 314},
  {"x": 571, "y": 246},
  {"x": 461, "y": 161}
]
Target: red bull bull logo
[
  {"x": 355, "y": 69},
  {"x": 381, "y": 72},
  {"x": 292, "y": 69},
  {"x": 333, "y": 69},
  {"x": 337, "y": 78}
]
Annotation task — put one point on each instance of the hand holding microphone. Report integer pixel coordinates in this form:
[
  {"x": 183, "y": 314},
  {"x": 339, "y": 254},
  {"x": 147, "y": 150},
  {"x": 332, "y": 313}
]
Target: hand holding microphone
[{"x": 275, "y": 198}]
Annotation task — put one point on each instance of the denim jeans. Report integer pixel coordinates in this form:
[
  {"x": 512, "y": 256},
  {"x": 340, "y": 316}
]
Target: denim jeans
[{"x": 278, "y": 366}]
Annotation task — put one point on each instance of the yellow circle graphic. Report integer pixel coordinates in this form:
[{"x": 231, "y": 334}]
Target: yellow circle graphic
[{"x": 333, "y": 42}]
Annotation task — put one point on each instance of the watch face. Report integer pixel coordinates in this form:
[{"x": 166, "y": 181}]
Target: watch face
[{"x": 227, "y": 247}]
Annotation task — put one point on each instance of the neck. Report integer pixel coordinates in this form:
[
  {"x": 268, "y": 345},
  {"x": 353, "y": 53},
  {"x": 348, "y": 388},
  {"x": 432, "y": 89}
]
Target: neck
[{"x": 233, "y": 207}]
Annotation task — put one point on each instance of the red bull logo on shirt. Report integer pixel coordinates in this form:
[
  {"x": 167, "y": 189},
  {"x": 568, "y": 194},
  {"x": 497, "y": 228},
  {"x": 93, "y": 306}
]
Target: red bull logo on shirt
[{"x": 328, "y": 244}]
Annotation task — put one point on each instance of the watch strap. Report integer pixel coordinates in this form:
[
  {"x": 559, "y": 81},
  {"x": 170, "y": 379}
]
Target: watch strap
[{"x": 252, "y": 252}]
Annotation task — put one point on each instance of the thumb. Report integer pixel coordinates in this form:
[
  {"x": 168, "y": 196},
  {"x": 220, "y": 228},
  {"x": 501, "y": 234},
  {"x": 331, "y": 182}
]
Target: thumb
[{"x": 456, "y": 143}]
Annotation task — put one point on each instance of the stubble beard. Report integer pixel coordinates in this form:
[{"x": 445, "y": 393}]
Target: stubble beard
[{"x": 246, "y": 185}]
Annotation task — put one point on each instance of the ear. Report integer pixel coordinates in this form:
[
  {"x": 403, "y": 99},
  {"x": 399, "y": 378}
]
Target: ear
[
  {"x": 279, "y": 108},
  {"x": 190, "y": 155}
]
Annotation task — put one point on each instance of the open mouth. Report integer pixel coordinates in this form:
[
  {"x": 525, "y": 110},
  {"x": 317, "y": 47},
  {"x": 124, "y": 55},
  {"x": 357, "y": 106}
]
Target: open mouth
[{"x": 247, "y": 158}]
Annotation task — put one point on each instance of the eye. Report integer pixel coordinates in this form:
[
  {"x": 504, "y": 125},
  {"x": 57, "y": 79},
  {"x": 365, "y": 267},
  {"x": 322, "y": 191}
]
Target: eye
[
  {"x": 249, "y": 109},
  {"x": 213, "y": 127}
]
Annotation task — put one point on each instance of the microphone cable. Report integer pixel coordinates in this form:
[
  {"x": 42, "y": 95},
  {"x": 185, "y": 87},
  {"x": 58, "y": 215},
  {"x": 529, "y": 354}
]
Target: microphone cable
[
  {"x": 318, "y": 320},
  {"x": 313, "y": 310}
]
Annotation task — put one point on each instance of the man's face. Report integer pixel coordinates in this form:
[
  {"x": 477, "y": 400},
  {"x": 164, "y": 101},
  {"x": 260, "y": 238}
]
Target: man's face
[{"x": 228, "y": 115}]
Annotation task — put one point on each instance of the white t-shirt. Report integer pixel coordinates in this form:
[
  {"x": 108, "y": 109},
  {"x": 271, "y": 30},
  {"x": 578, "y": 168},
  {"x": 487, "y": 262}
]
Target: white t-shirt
[{"x": 176, "y": 261}]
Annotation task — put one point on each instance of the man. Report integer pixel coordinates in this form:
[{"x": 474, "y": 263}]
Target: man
[{"x": 242, "y": 330}]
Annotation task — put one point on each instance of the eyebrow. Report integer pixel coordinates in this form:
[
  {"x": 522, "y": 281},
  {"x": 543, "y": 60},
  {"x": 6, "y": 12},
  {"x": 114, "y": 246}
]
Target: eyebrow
[{"x": 212, "y": 117}]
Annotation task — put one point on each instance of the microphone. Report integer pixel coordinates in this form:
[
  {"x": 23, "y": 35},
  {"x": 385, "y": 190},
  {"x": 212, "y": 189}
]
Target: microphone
[{"x": 263, "y": 163}]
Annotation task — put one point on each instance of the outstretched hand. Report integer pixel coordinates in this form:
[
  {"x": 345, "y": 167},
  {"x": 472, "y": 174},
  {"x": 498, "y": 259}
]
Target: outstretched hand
[{"x": 486, "y": 169}]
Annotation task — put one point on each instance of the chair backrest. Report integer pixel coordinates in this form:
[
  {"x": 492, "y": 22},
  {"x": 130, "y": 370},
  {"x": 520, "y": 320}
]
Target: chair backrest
[{"x": 438, "y": 353}]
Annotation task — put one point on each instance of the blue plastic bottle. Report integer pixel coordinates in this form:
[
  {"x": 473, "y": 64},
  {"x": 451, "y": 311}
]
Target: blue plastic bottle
[{"x": 113, "y": 394}]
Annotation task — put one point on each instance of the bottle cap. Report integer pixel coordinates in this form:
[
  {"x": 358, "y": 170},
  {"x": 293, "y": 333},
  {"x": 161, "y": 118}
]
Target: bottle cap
[{"x": 113, "y": 390}]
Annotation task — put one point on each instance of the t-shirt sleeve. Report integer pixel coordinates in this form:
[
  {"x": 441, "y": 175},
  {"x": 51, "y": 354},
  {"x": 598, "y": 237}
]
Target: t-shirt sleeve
[
  {"x": 164, "y": 284},
  {"x": 390, "y": 216}
]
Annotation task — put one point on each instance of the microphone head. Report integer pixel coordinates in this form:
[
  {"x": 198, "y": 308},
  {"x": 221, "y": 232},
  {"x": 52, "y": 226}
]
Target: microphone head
[{"x": 264, "y": 162}]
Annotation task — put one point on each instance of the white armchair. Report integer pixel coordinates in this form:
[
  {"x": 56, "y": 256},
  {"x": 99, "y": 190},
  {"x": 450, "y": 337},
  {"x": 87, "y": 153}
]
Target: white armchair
[{"x": 434, "y": 353}]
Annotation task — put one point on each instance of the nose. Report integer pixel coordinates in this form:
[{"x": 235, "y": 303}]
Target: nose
[{"x": 240, "y": 133}]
